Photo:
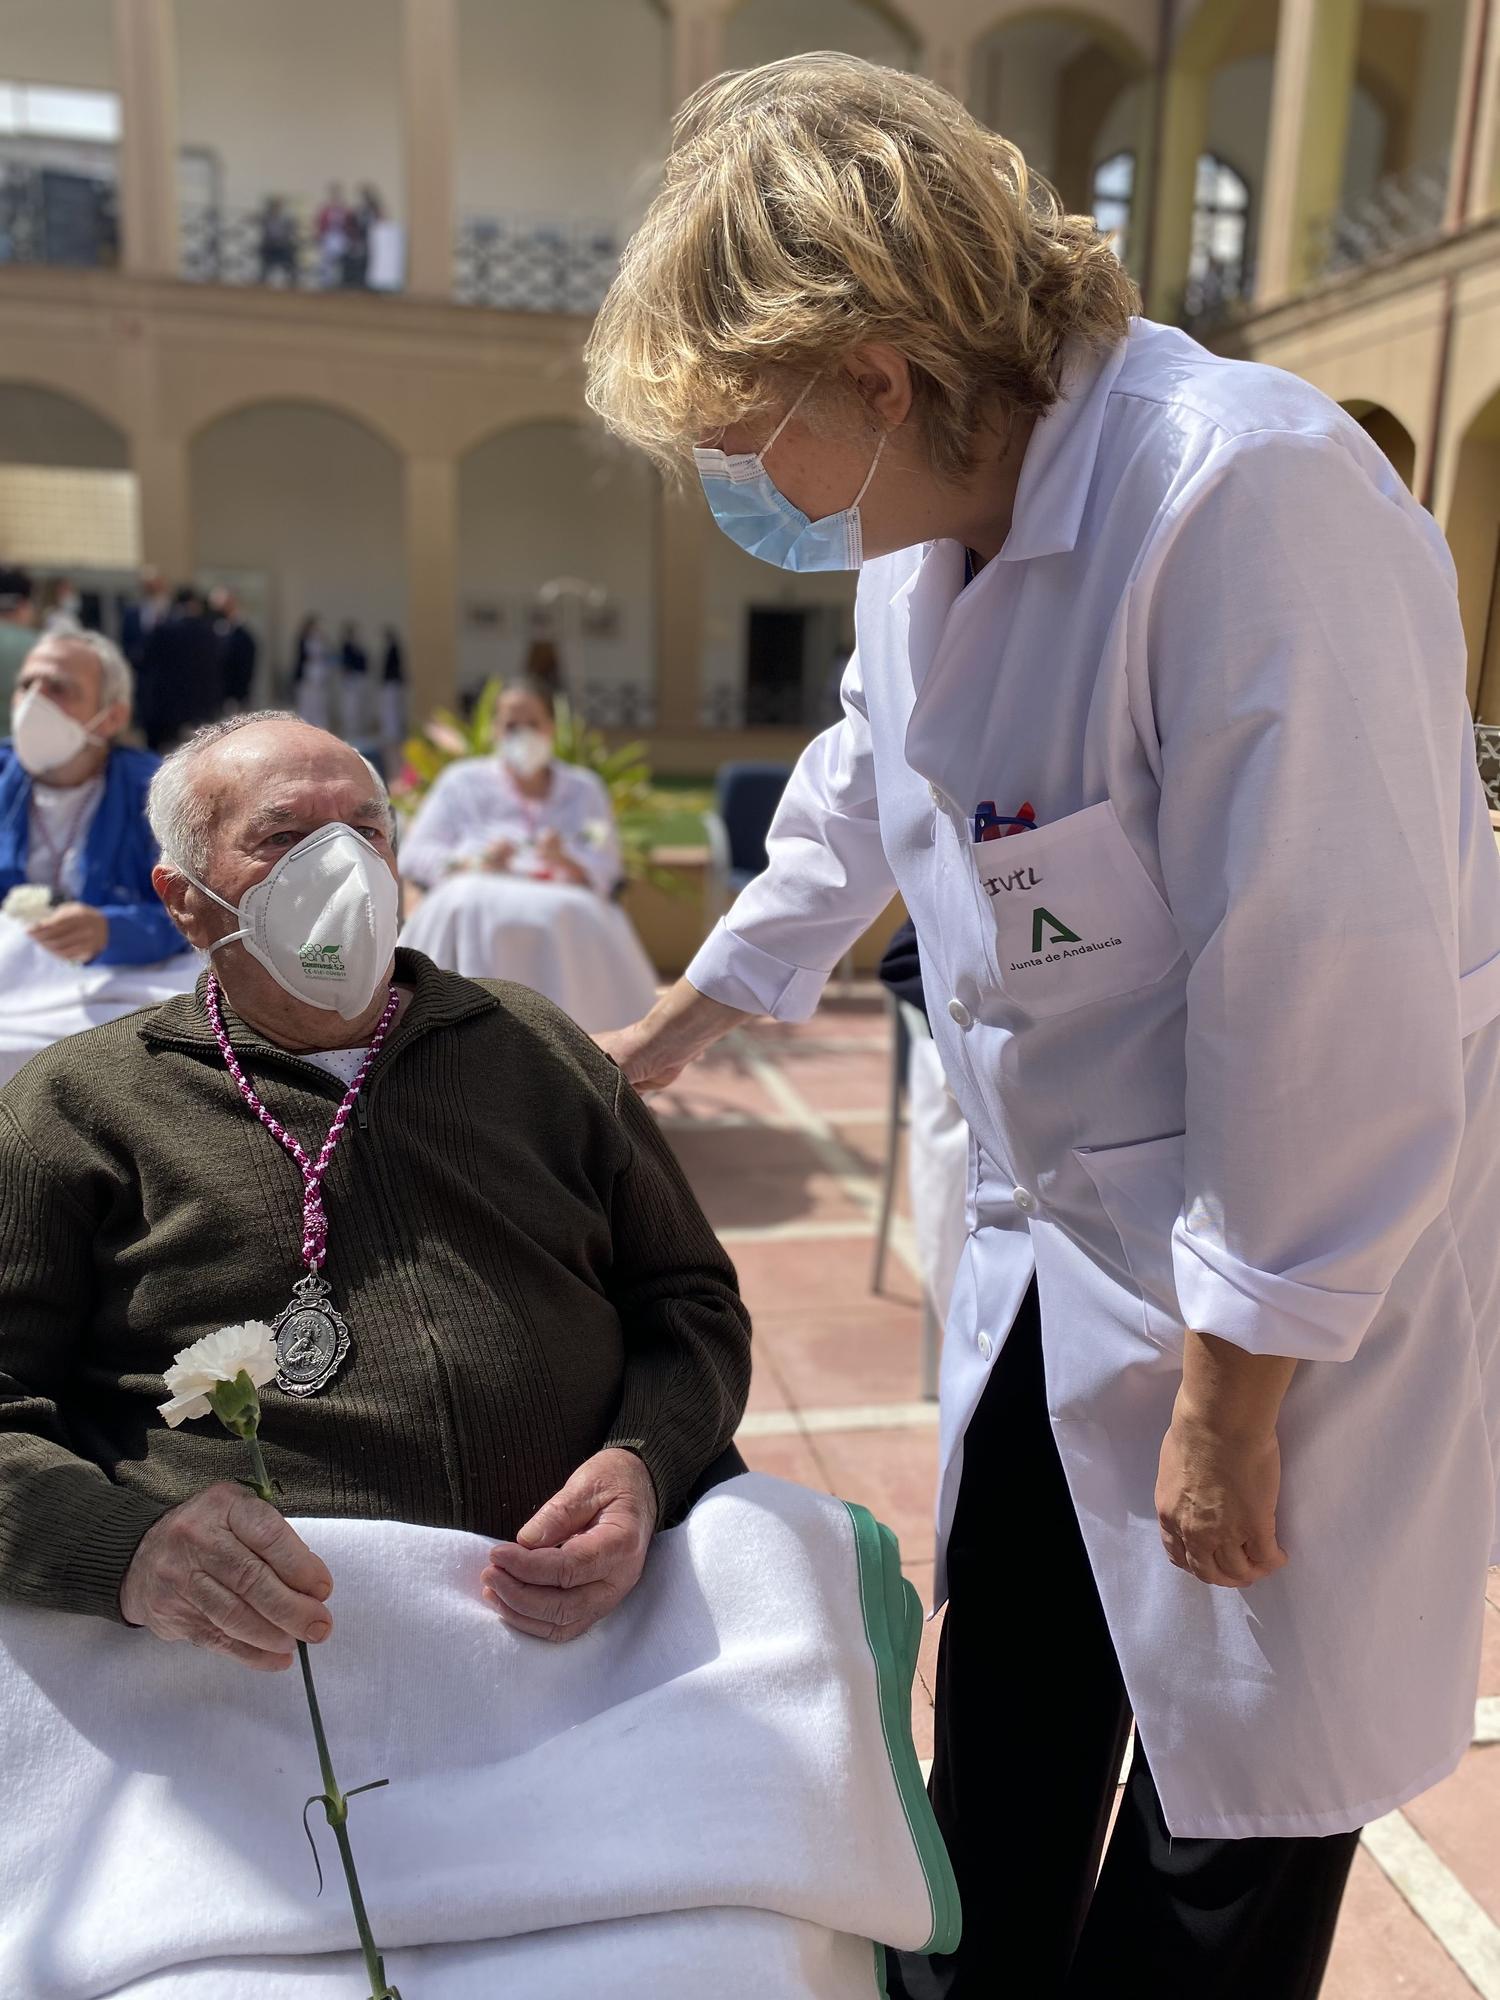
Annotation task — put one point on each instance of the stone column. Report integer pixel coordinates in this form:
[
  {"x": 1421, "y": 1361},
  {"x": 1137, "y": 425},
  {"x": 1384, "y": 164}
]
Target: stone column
[
  {"x": 431, "y": 507},
  {"x": 1175, "y": 122},
  {"x": 683, "y": 528},
  {"x": 145, "y": 48},
  {"x": 160, "y": 464},
  {"x": 429, "y": 68},
  {"x": 1477, "y": 125},
  {"x": 698, "y": 37},
  {"x": 1317, "y": 46}
]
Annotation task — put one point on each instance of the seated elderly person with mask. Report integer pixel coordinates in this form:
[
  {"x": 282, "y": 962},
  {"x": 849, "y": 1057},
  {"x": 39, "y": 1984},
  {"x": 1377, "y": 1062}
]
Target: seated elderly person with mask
[
  {"x": 520, "y": 857},
  {"x": 510, "y": 1352},
  {"x": 84, "y": 936}
]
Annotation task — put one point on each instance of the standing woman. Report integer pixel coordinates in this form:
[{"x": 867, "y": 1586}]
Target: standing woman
[{"x": 1157, "y": 722}]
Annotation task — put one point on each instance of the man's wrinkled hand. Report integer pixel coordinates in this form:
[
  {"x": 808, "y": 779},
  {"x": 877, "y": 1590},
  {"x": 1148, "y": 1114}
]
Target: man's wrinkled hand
[
  {"x": 1216, "y": 1498},
  {"x": 72, "y": 930},
  {"x": 581, "y": 1554},
  {"x": 225, "y": 1571}
]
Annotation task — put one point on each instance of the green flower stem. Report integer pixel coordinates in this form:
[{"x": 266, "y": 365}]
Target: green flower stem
[{"x": 335, "y": 1804}]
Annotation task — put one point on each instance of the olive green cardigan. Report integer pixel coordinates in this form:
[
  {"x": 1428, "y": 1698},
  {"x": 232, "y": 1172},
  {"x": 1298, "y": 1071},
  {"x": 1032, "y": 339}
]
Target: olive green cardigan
[{"x": 525, "y": 1272}]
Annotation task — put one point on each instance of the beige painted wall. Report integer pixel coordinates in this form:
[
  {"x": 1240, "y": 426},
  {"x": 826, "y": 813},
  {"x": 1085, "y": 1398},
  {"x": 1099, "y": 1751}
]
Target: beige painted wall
[
  {"x": 58, "y": 41},
  {"x": 39, "y": 427},
  {"x": 762, "y": 31},
  {"x": 562, "y": 108},
  {"x": 545, "y": 501},
  {"x": 313, "y": 502},
  {"x": 292, "y": 94}
]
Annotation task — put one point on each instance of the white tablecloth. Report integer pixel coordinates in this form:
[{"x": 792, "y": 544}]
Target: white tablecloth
[
  {"x": 44, "y": 997},
  {"x": 565, "y": 942},
  {"x": 713, "y": 1793}
]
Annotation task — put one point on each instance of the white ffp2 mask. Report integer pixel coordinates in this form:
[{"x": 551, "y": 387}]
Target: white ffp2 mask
[
  {"x": 526, "y": 751},
  {"x": 323, "y": 922},
  {"x": 45, "y": 736}
]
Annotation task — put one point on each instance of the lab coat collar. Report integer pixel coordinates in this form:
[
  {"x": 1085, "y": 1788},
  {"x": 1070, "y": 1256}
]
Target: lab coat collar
[{"x": 1058, "y": 468}]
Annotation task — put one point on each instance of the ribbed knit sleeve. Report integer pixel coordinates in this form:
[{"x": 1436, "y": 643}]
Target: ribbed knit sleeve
[
  {"x": 67, "y": 1533},
  {"x": 687, "y": 1333}
]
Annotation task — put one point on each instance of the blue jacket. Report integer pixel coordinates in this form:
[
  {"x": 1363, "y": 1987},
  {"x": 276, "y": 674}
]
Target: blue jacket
[{"x": 117, "y": 858}]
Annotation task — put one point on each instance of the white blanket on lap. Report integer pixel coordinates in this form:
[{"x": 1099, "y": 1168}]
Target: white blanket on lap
[{"x": 714, "y": 1791}]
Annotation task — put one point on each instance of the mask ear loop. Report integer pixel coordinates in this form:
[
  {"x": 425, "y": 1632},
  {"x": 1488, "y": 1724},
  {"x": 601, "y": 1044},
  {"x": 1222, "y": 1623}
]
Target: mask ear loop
[
  {"x": 885, "y": 438},
  {"x": 787, "y": 419}
]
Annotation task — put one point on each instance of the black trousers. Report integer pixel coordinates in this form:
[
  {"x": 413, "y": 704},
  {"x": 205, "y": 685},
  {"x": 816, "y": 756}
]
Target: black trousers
[{"x": 1031, "y": 1725}]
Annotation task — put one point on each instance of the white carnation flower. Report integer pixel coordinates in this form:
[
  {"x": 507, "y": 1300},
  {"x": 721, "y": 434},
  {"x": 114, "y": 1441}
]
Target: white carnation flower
[
  {"x": 218, "y": 1357},
  {"x": 596, "y": 832},
  {"x": 27, "y": 903}
]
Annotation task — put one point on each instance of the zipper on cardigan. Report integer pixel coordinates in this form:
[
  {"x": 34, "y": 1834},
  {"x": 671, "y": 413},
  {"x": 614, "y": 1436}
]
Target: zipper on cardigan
[{"x": 361, "y": 1113}]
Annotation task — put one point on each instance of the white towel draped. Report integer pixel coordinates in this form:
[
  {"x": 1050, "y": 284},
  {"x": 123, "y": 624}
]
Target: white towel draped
[{"x": 714, "y": 1791}]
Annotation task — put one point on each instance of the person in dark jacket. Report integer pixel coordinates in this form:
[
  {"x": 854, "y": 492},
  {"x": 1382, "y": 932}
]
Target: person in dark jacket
[
  {"x": 238, "y": 649},
  {"x": 181, "y": 678}
]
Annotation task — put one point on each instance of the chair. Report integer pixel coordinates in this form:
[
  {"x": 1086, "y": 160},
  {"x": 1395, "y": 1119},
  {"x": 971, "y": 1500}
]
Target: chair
[
  {"x": 907, "y": 1023},
  {"x": 745, "y": 798}
]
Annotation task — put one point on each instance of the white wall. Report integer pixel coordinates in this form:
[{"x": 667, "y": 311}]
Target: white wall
[
  {"x": 312, "y": 501},
  {"x": 292, "y": 94},
  {"x": 762, "y": 31},
  {"x": 734, "y": 583},
  {"x": 58, "y": 41},
  {"x": 546, "y": 501},
  {"x": 562, "y": 108}
]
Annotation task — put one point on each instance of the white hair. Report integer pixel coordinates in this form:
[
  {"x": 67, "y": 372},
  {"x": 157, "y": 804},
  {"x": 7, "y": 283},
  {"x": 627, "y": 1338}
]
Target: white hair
[
  {"x": 116, "y": 681},
  {"x": 182, "y": 821}
]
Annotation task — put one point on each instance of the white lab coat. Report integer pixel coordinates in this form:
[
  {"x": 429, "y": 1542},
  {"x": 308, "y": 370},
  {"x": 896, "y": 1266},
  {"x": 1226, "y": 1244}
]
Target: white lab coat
[{"x": 1224, "y": 1027}]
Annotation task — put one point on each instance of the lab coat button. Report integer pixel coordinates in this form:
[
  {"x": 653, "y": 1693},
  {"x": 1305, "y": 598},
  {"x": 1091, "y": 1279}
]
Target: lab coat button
[
  {"x": 960, "y": 1013},
  {"x": 985, "y": 1346},
  {"x": 1024, "y": 1200},
  {"x": 936, "y": 796}
]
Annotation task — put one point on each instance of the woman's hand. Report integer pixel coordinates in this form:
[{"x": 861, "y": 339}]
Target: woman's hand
[
  {"x": 72, "y": 930},
  {"x": 581, "y": 1554},
  {"x": 1216, "y": 1500},
  {"x": 682, "y": 1025}
]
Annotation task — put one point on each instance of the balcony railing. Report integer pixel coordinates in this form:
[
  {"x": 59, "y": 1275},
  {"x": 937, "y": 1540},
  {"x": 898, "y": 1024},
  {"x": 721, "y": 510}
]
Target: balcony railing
[
  {"x": 1487, "y": 744},
  {"x": 550, "y": 267},
  {"x": 49, "y": 215},
  {"x": 220, "y": 245},
  {"x": 1400, "y": 212}
]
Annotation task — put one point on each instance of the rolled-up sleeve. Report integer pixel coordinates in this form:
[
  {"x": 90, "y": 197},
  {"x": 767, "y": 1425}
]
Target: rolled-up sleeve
[
  {"x": 826, "y": 879},
  {"x": 1306, "y": 677}
]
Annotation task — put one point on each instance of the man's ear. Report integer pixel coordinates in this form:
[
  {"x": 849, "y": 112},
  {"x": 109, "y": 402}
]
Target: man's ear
[
  {"x": 114, "y": 719},
  {"x": 178, "y": 899}
]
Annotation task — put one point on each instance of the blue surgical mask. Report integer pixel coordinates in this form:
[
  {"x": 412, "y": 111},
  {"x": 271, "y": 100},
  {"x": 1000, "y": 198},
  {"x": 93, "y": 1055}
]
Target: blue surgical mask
[{"x": 753, "y": 511}]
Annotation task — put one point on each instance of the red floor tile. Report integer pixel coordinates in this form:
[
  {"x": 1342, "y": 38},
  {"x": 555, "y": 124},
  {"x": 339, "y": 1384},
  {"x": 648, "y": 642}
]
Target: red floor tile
[
  {"x": 1460, "y": 1820},
  {"x": 784, "y": 1457},
  {"x": 1489, "y": 1660},
  {"x": 829, "y": 1357},
  {"x": 755, "y": 1179},
  {"x": 1383, "y": 1951},
  {"x": 831, "y": 1084},
  {"x": 808, "y": 1275},
  {"x": 767, "y": 1390},
  {"x": 893, "y": 1473}
]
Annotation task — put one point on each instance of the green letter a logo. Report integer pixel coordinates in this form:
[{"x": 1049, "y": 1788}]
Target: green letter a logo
[{"x": 1060, "y": 932}]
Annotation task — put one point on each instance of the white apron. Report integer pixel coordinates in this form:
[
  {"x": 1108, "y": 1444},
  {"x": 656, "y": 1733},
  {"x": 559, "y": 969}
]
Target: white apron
[{"x": 1224, "y": 1026}]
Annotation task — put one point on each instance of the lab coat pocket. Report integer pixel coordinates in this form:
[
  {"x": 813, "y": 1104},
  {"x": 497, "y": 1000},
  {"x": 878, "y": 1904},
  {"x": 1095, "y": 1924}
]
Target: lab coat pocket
[
  {"x": 1077, "y": 917},
  {"x": 1140, "y": 1190}
]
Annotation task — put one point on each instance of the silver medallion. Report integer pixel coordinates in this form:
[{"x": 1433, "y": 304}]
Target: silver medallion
[{"x": 311, "y": 1339}]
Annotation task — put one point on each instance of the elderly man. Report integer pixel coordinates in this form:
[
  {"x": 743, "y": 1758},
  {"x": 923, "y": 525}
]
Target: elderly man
[
  {"x": 508, "y": 1350},
  {"x": 512, "y": 1317},
  {"x": 83, "y": 935}
]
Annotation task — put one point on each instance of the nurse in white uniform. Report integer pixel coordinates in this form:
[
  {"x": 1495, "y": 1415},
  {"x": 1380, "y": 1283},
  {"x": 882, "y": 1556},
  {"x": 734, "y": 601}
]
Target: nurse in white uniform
[{"x": 1157, "y": 722}]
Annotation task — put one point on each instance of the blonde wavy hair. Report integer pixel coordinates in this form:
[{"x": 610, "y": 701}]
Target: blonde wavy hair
[{"x": 822, "y": 203}]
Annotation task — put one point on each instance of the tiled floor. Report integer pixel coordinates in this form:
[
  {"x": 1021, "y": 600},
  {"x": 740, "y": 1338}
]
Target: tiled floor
[{"x": 783, "y": 1132}]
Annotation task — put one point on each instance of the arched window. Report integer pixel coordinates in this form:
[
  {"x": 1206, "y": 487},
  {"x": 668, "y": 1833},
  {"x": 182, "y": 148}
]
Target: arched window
[{"x": 1221, "y": 218}]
